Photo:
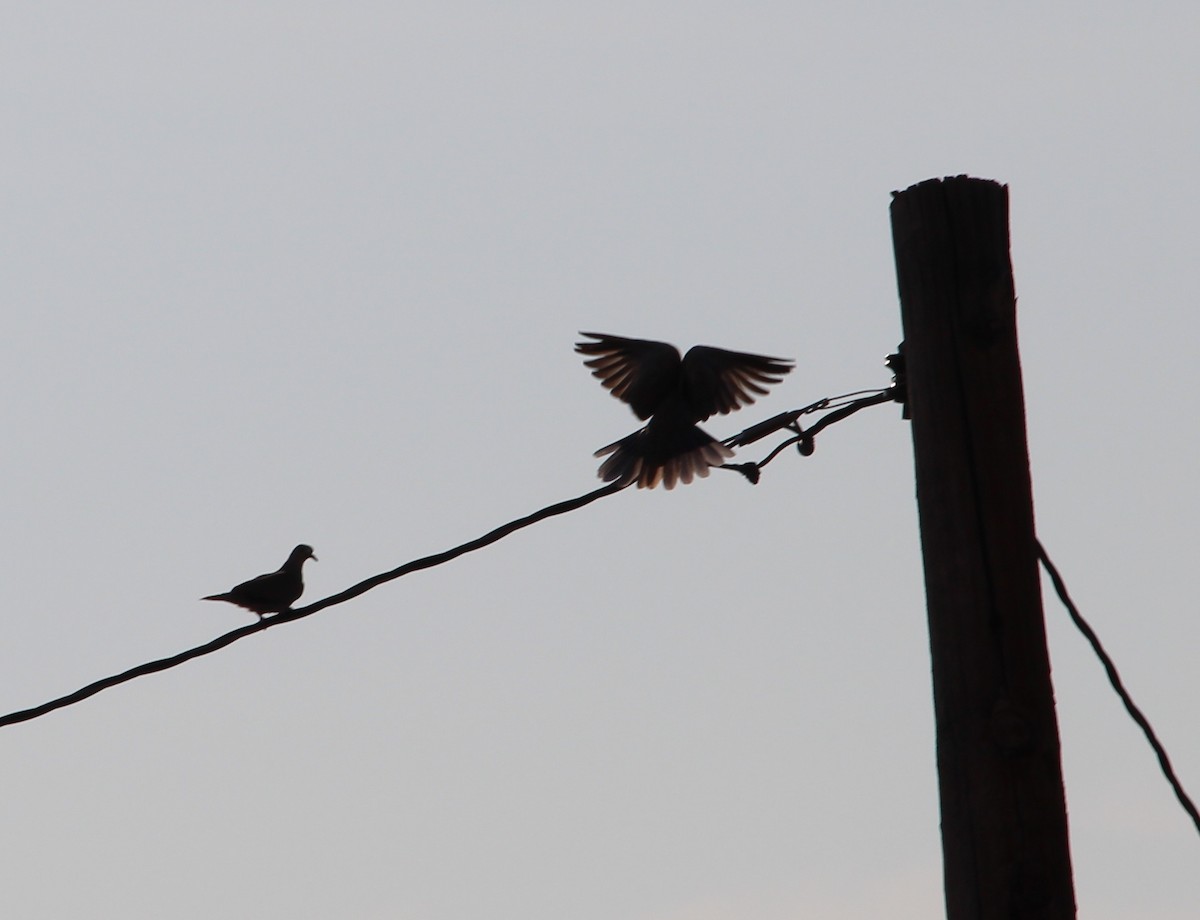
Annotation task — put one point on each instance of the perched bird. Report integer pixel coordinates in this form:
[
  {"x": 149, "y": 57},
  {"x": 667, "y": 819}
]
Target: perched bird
[
  {"x": 274, "y": 592},
  {"x": 674, "y": 394}
]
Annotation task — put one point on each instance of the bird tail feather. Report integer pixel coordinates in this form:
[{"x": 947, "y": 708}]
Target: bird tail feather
[{"x": 641, "y": 458}]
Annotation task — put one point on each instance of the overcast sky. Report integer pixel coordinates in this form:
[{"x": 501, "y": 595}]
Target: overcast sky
[{"x": 297, "y": 272}]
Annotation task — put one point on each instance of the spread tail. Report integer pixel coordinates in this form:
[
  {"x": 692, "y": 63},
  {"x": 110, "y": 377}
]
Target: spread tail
[{"x": 648, "y": 460}]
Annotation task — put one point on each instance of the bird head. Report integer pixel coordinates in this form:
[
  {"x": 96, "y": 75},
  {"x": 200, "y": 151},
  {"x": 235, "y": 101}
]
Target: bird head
[{"x": 304, "y": 551}]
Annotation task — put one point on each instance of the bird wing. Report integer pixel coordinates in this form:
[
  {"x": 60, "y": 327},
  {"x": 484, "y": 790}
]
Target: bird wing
[
  {"x": 638, "y": 371},
  {"x": 719, "y": 381},
  {"x": 276, "y": 589}
]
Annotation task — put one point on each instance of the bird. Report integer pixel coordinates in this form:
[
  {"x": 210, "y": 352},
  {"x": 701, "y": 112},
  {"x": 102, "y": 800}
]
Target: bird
[
  {"x": 274, "y": 592},
  {"x": 674, "y": 394}
]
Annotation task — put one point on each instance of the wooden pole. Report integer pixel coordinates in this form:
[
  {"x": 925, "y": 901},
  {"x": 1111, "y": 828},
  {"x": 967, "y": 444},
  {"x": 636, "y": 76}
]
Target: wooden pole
[{"x": 1004, "y": 824}]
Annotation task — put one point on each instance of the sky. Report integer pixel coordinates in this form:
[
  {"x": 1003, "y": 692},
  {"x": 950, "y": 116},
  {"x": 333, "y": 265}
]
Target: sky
[{"x": 296, "y": 272}]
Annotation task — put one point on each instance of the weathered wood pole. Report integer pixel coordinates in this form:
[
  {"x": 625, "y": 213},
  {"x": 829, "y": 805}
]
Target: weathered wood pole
[{"x": 1004, "y": 823}]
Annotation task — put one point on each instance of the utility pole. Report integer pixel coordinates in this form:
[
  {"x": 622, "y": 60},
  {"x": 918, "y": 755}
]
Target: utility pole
[{"x": 1004, "y": 823}]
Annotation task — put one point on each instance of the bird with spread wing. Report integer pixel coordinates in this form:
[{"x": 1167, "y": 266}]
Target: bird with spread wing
[{"x": 674, "y": 394}]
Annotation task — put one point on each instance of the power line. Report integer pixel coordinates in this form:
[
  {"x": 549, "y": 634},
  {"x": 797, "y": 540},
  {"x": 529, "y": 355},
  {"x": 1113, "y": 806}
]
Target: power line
[
  {"x": 1115, "y": 679},
  {"x": 426, "y": 562}
]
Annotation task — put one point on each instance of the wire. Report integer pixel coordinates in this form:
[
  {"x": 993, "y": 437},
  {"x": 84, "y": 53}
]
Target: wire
[
  {"x": 1115, "y": 679},
  {"x": 805, "y": 436},
  {"x": 162, "y": 664}
]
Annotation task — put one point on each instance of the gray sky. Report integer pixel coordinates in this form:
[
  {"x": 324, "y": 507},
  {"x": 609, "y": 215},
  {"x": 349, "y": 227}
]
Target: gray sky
[{"x": 285, "y": 272}]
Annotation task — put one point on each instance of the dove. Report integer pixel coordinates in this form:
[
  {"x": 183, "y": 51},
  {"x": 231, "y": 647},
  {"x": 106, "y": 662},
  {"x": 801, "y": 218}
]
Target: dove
[
  {"x": 274, "y": 592},
  {"x": 674, "y": 394}
]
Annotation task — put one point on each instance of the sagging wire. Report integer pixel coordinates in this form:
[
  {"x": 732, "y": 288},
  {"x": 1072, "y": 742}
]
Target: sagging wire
[
  {"x": 843, "y": 406},
  {"x": 754, "y": 433},
  {"x": 1114, "y": 678},
  {"x": 290, "y": 616}
]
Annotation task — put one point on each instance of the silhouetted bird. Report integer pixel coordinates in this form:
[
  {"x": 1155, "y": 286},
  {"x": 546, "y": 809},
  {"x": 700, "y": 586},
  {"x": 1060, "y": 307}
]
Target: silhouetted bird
[
  {"x": 674, "y": 395},
  {"x": 274, "y": 592}
]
